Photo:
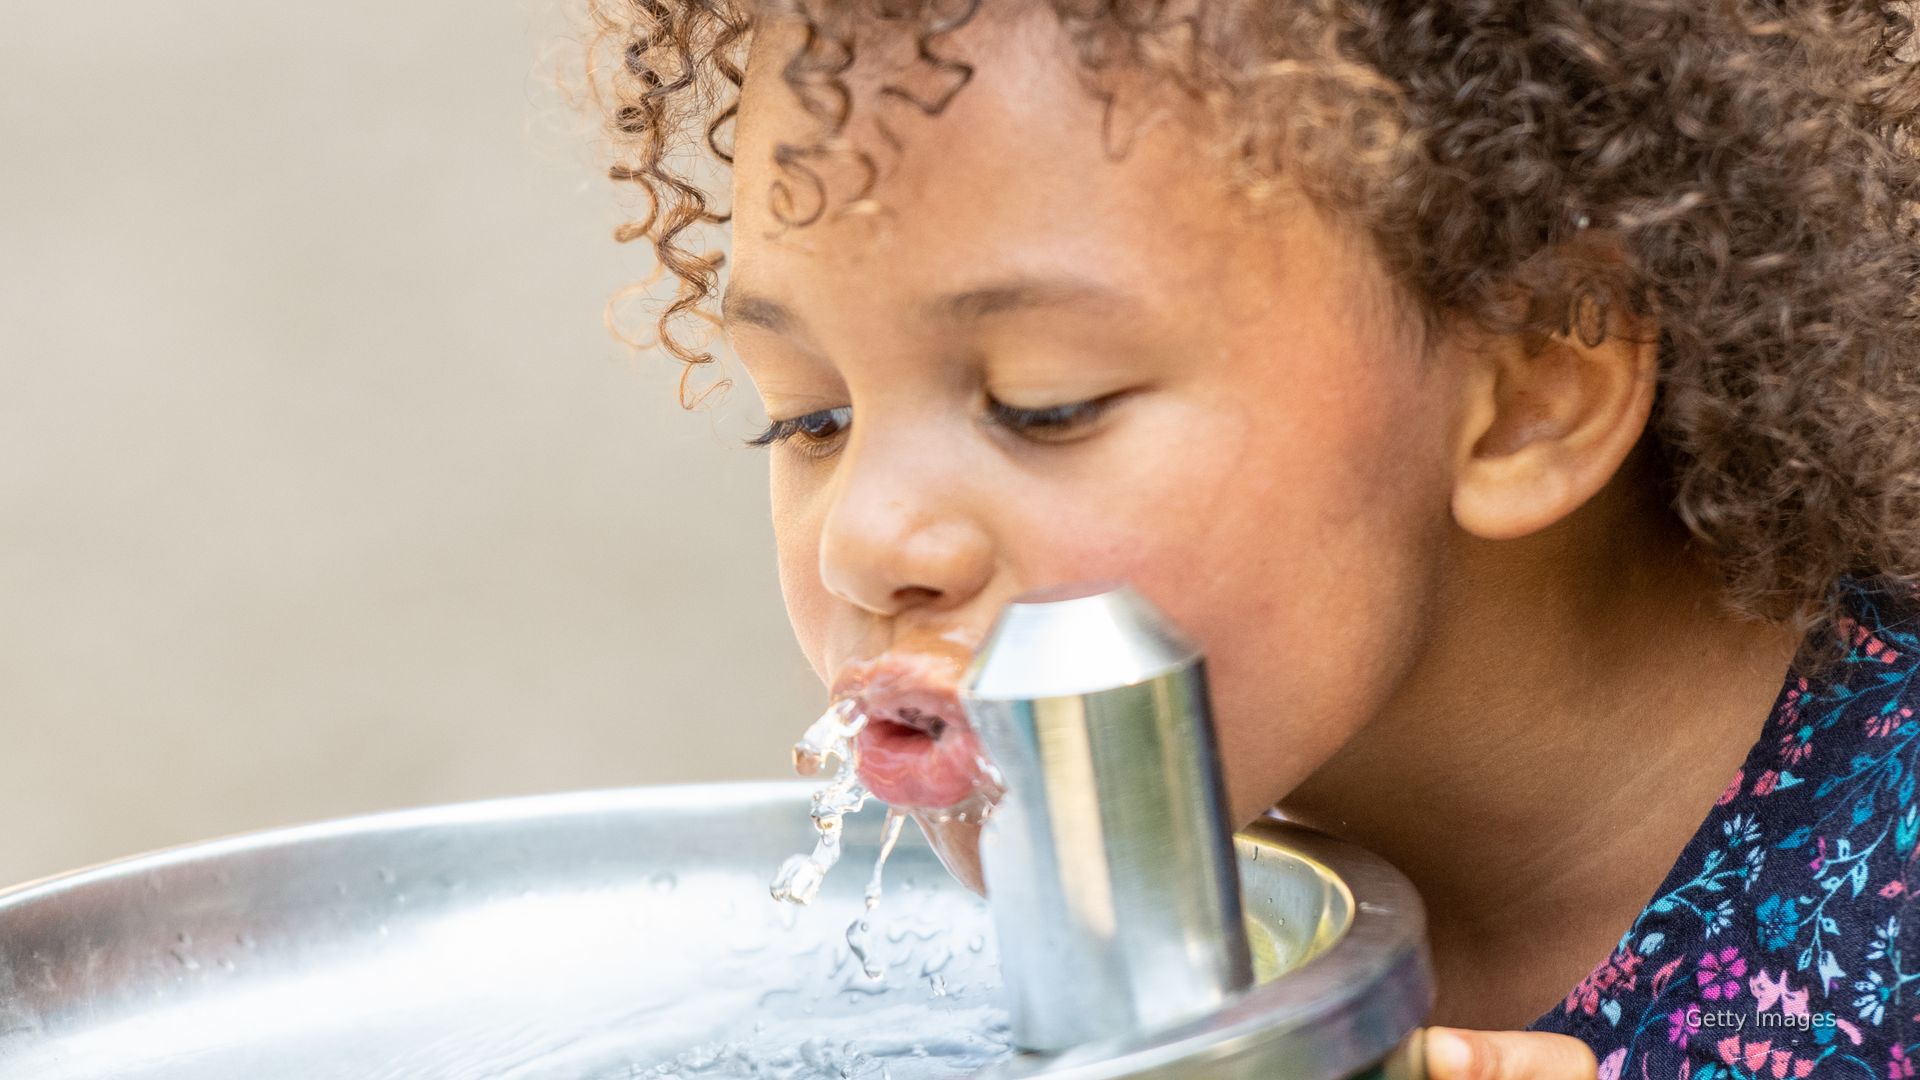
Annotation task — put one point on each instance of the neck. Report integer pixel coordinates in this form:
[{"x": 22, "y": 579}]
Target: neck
[{"x": 1546, "y": 761}]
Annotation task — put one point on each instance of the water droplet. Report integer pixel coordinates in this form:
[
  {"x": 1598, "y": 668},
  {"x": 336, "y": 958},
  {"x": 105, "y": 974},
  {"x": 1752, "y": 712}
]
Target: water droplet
[
  {"x": 860, "y": 941},
  {"x": 976, "y": 943},
  {"x": 387, "y": 877},
  {"x": 938, "y": 984}
]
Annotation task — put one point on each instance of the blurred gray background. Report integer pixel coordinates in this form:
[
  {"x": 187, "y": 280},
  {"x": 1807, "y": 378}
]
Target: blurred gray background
[{"x": 323, "y": 489}]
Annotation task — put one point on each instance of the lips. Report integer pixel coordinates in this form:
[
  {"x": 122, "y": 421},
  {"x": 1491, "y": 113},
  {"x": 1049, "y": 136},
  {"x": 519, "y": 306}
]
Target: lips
[{"x": 917, "y": 751}]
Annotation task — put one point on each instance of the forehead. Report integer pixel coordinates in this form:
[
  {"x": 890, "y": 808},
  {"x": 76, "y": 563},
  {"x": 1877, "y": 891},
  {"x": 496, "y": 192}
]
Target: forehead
[{"x": 1020, "y": 160}]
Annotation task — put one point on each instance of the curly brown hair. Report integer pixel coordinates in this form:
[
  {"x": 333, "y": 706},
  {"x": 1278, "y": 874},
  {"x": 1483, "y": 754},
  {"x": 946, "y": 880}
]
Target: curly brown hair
[{"x": 1755, "y": 161}]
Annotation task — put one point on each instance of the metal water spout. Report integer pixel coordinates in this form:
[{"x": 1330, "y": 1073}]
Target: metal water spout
[{"x": 1109, "y": 862}]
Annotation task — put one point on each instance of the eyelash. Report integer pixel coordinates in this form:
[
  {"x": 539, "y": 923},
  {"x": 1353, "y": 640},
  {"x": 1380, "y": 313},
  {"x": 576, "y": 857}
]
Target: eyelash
[
  {"x": 812, "y": 445},
  {"x": 1037, "y": 424}
]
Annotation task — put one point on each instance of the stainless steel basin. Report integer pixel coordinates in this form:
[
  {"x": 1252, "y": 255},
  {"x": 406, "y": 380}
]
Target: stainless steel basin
[{"x": 607, "y": 935}]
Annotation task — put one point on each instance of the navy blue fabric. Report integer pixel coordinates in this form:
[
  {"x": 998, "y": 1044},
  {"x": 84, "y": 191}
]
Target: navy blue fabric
[{"x": 1782, "y": 943}]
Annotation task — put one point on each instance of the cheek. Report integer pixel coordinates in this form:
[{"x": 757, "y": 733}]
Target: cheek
[
  {"x": 1320, "y": 570},
  {"x": 1323, "y": 553},
  {"x": 1296, "y": 539},
  {"x": 796, "y": 537}
]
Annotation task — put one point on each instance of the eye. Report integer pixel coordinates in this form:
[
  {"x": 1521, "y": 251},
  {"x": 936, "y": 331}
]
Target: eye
[
  {"x": 815, "y": 432},
  {"x": 1054, "y": 423}
]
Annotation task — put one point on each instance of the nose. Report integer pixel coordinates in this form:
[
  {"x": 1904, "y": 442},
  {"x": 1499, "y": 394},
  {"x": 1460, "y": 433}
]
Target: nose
[{"x": 900, "y": 531}]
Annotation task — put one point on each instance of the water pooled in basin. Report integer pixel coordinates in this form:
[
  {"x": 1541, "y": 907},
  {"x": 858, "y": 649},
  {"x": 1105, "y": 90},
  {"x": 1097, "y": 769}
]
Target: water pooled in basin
[
  {"x": 892, "y": 1045},
  {"x": 903, "y": 1001}
]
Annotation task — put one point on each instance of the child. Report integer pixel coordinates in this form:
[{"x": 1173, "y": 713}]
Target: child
[{"x": 1520, "y": 402}]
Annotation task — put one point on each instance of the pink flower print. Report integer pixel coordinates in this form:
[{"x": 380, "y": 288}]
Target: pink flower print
[
  {"x": 1898, "y": 1066},
  {"x": 1761, "y": 1059},
  {"x": 1665, "y": 974},
  {"x": 1820, "y": 859},
  {"x": 1764, "y": 785},
  {"x": 1615, "y": 976},
  {"x": 1752, "y": 1055},
  {"x": 1795, "y": 745},
  {"x": 1622, "y": 970},
  {"x": 1868, "y": 643},
  {"x": 1893, "y": 888},
  {"x": 1769, "y": 991},
  {"x": 1733, "y": 788},
  {"x": 1682, "y": 1023},
  {"x": 1883, "y": 723},
  {"x": 1794, "y": 693},
  {"x": 1789, "y": 713},
  {"x": 1782, "y": 1064},
  {"x": 1719, "y": 974},
  {"x": 1584, "y": 997},
  {"x": 1610, "y": 1068}
]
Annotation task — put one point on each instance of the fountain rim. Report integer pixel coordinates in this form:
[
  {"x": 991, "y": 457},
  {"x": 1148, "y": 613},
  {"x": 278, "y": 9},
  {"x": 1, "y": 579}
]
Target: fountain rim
[
  {"x": 1353, "y": 1004},
  {"x": 1337, "y": 1013},
  {"x": 717, "y": 794}
]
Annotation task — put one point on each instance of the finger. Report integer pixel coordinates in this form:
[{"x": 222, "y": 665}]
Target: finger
[{"x": 1461, "y": 1054}]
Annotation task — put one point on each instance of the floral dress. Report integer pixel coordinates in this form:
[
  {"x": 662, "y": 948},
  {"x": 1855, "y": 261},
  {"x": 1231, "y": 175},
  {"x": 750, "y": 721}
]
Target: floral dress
[{"x": 1782, "y": 944}]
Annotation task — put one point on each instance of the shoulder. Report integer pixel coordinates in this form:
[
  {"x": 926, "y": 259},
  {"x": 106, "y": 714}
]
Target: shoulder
[
  {"x": 1831, "y": 790},
  {"x": 1840, "y": 907},
  {"x": 1786, "y": 940}
]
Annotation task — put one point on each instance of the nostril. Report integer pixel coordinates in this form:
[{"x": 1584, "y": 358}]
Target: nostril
[{"x": 910, "y": 595}]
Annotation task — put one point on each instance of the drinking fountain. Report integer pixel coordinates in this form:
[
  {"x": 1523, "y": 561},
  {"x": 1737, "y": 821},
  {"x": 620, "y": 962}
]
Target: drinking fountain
[
  {"x": 628, "y": 933},
  {"x": 1110, "y": 864}
]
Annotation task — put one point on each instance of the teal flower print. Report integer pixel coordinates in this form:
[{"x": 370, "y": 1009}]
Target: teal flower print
[{"x": 1779, "y": 921}]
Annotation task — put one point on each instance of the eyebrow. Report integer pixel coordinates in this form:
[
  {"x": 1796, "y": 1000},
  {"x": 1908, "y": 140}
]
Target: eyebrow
[{"x": 743, "y": 307}]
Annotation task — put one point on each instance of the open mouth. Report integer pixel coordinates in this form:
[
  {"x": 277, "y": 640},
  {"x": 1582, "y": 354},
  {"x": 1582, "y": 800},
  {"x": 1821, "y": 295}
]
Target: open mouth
[
  {"x": 907, "y": 729},
  {"x": 931, "y": 725},
  {"x": 917, "y": 751},
  {"x": 916, "y": 757}
]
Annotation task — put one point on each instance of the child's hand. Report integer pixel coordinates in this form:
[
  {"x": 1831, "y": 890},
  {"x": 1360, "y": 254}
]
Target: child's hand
[{"x": 1460, "y": 1054}]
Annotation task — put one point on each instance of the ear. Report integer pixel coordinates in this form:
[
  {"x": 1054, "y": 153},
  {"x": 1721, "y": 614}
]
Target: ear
[{"x": 1546, "y": 421}]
